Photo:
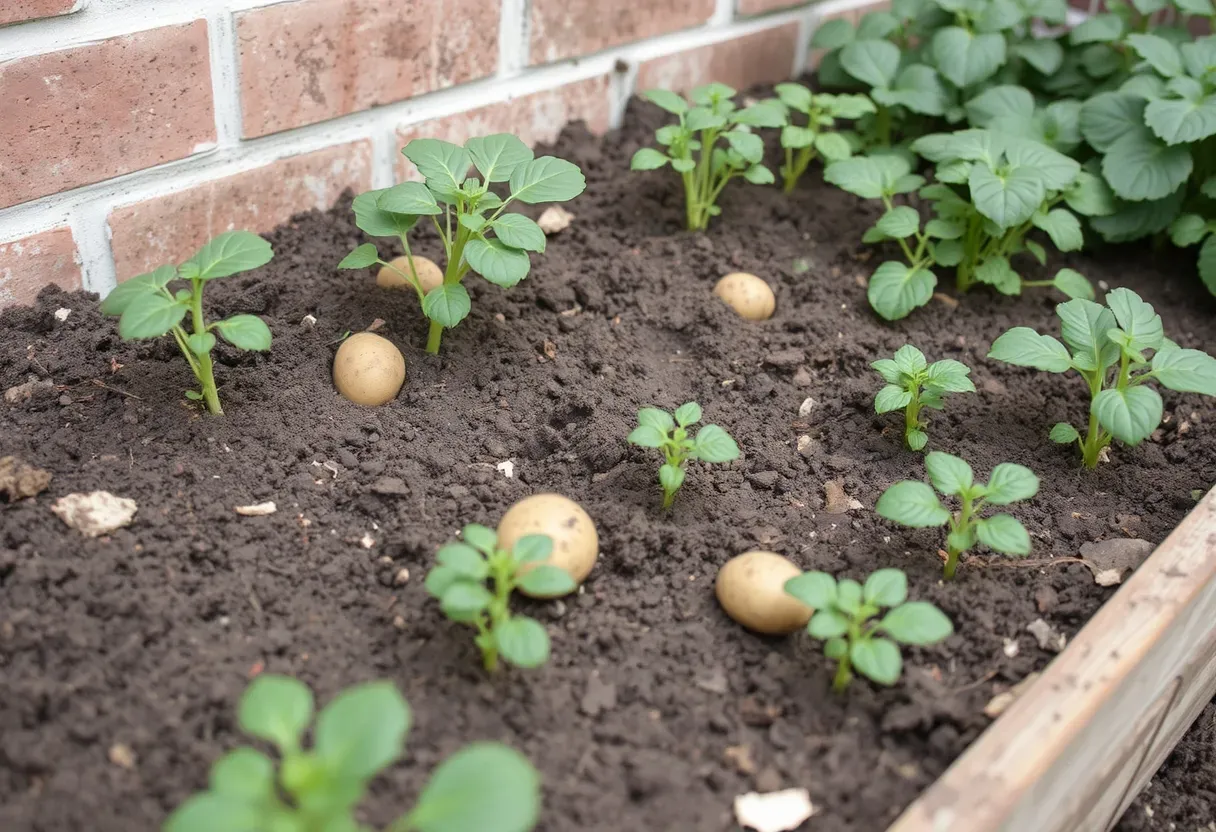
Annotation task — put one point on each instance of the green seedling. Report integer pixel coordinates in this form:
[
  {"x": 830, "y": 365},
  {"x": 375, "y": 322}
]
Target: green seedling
[
  {"x": 913, "y": 504},
  {"x": 658, "y": 429},
  {"x": 477, "y": 231},
  {"x": 459, "y": 579},
  {"x": 913, "y": 384},
  {"x": 801, "y": 143},
  {"x": 1106, "y": 345},
  {"x": 710, "y": 145},
  {"x": 361, "y": 732},
  {"x": 844, "y": 620},
  {"x": 146, "y": 307}
]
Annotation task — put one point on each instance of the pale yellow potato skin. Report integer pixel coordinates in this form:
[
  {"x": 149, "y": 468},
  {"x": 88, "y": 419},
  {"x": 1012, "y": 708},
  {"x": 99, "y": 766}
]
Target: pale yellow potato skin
[
  {"x": 748, "y": 295},
  {"x": 429, "y": 274},
  {"x": 751, "y": 589},
  {"x": 369, "y": 369},
  {"x": 576, "y": 544}
]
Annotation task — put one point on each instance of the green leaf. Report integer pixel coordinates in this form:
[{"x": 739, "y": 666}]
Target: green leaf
[
  {"x": 873, "y": 62},
  {"x": 517, "y": 231},
  {"x": 917, "y": 87},
  {"x": 899, "y": 222},
  {"x": 759, "y": 175},
  {"x": 1130, "y": 415},
  {"x": 1109, "y": 116},
  {"x": 485, "y": 787},
  {"x": 230, "y": 253},
  {"x": 1140, "y": 167},
  {"x": 891, "y": 397},
  {"x": 277, "y": 709},
  {"x": 848, "y": 596},
  {"x": 1037, "y": 251},
  {"x": 412, "y": 198},
  {"x": 150, "y": 316},
  {"x": 464, "y": 560},
  {"x": 124, "y": 293},
  {"x": 796, "y": 138},
  {"x": 876, "y": 25},
  {"x": 463, "y": 601},
  {"x": 1073, "y": 283},
  {"x": 532, "y": 548},
  {"x": 949, "y": 474},
  {"x": 1162, "y": 55},
  {"x": 877, "y": 659},
  {"x": 815, "y": 589},
  {"x": 795, "y": 96},
  {"x": 439, "y": 580},
  {"x": 832, "y": 34},
  {"x": 687, "y": 414},
  {"x": 547, "y": 179},
  {"x": 661, "y": 420},
  {"x": 713, "y": 444},
  {"x": 646, "y": 436},
  {"x": 362, "y": 257},
  {"x": 869, "y": 177},
  {"x": 208, "y": 812},
  {"x": 1004, "y": 100},
  {"x": 836, "y": 648},
  {"x": 703, "y": 118},
  {"x": 945, "y": 229},
  {"x": 377, "y": 222},
  {"x": 1098, "y": 28},
  {"x": 1187, "y": 371},
  {"x": 1056, "y": 170},
  {"x": 849, "y": 106},
  {"x": 748, "y": 145},
  {"x": 1063, "y": 433},
  {"x": 1003, "y": 534},
  {"x": 547, "y": 581},
  {"x": 895, "y": 290},
  {"x": 1136, "y": 318},
  {"x": 497, "y": 156},
  {"x": 768, "y": 113},
  {"x": 827, "y": 623},
  {"x": 523, "y": 641},
  {"x": 669, "y": 101},
  {"x": 886, "y": 588},
  {"x": 997, "y": 272},
  {"x": 889, "y": 370},
  {"x": 917, "y": 622},
  {"x": 444, "y": 165},
  {"x": 966, "y": 59},
  {"x": 244, "y": 773},
  {"x": 1024, "y": 347},
  {"x": 950, "y": 376},
  {"x": 832, "y": 146},
  {"x": 1133, "y": 220},
  {"x": 245, "y": 332},
  {"x": 1010, "y": 483},
  {"x": 447, "y": 304},
  {"x": 1064, "y": 229},
  {"x": 908, "y": 359},
  {"x": 648, "y": 159},
  {"x": 1083, "y": 327},
  {"x": 1178, "y": 121},
  {"x": 1199, "y": 56},
  {"x": 912, "y": 503},
  {"x": 362, "y": 730},
  {"x": 1044, "y": 55},
  {"x": 497, "y": 262},
  {"x": 1187, "y": 230},
  {"x": 1008, "y": 198},
  {"x": 671, "y": 477},
  {"x": 201, "y": 343},
  {"x": 1203, "y": 8}
]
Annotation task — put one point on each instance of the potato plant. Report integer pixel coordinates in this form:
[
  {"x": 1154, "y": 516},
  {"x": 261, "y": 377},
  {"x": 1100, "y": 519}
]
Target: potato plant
[
  {"x": 913, "y": 504},
  {"x": 801, "y": 143},
  {"x": 458, "y": 581},
  {"x": 669, "y": 433},
  {"x": 912, "y": 383},
  {"x": 484, "y": 786},
  {"x": 477, "y": 231},
  {"x": 1107, "y": 347},
  {"x": 147, "y": 308},
  {"x": 844, "y": 620},
  {"x": 711, "y": 144}
]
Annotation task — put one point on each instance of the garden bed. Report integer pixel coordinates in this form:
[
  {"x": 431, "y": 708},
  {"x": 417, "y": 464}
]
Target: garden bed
[{"x": 121, "y": 658}]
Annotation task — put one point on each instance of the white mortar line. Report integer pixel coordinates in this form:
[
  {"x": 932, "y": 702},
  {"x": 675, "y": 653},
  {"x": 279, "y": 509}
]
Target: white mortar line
[
  {"x": 384, "y": 156},
  {"x": 514, "y": 25},
  {"x": 225, "y": 77},
  {"x": 724, "y": 12}
]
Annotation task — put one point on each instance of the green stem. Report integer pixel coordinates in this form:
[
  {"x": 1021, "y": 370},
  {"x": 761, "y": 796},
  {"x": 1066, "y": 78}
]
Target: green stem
[
  {"x": 204, "y": 372},
  {"x": 452, "y": 274},
  {"x": 795, "y": 167},
  {"x": 882, "y": 125},
  {"x": 911, "y": 418},
  {"x": 844, "y": 674},
  {"x": 958, "y": 524}
]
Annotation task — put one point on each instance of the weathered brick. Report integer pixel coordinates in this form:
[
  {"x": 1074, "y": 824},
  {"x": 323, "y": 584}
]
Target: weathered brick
[
  {"x": 86, "y": 114},
  {"x": 535, "y": 118},
  {"x": 170, "y": 228},
  {"x": 313, "y": 60},
  {"x": 16, "y": 11},
  {"x": 764, "y": 6},
  {"x": 762, "y": 57},
  {"x": 570, "y": 28},
  {"x": 28, "y": 264}
]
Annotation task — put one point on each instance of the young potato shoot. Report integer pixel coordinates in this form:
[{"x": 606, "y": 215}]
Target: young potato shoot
[
  {"x": 477, "y": 232},
  {"x": 710, "y": 145},
  {"x": 146, "y": 309},
  {"x": 658, "y": 429},
  {"x": 801, "y": 143},
  {"x": 913, "y": 504},
  {"x": 913, "y": 384},
  {"x": 459, "y": 578},
  {"x": 844, "y": 621},
  {"x": 1106, "y": 345},
  {"x": 361, "y": 732}
]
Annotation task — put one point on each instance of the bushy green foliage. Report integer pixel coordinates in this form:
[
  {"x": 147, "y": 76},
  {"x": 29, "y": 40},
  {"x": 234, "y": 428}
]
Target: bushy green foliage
[{"x": 811, "y": 128}]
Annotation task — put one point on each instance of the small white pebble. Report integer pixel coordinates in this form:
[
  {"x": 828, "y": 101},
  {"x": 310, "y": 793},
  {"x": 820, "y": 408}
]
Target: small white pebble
[
  {"x": 507, "y": 467},
  {"x": 367, "y": 541},
  {"x": 61, "y": 314}
]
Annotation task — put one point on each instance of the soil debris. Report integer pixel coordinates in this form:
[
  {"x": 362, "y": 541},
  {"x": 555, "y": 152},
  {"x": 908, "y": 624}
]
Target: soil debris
[
  {"x": 257, "y": 509},
  {"x": 1110, "y": 560},
  {"x": 19, "y": 479},
  {"x": 95, "y": 513},
  {"x": 775, "y": 811}
]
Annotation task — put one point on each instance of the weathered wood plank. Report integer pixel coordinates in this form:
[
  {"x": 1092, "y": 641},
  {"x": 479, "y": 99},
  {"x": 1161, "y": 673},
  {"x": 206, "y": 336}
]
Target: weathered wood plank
[{"x": 1079, "y": 745}]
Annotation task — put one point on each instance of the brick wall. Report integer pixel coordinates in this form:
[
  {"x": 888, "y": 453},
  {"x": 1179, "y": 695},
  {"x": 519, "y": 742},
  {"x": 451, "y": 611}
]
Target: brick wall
[{"x": 133, "y": 130}]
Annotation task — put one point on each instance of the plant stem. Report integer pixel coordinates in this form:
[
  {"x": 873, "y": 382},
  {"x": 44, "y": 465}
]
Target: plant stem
[
  {"x": 882, "y": 125},
  {"x": 952, "y": 556},
  {"x": 204, "y": 373},
  {"x": 844, "y": 674},
  {"x": 958, "y": 524},
  {"x": 1091, "y": 448},
  {"x": 795, "y": 167},
  {"x": 912, "y": 417},
  {"x": 451, "y": 275}
]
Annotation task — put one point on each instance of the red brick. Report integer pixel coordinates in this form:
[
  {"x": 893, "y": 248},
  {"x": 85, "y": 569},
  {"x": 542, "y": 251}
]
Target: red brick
[
  {"x": 763, "y": 57},
  {"x": 763, "y": 6},
  {"x": 15, "y": 11},
  {"x": 536, "y": 118},
  {"x": 86, "y": 114},
  {"x": 28, "y": 264},
  {"x": 570, "y": 28},
  {"x": 313, "y": 60},
  {"x": 170, "y": 228}
]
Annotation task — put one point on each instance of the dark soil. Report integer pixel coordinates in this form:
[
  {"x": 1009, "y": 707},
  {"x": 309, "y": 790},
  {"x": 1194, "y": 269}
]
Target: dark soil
[
  {"x": 1182, "y": 795},
  {"x": 656, "y": 710}
]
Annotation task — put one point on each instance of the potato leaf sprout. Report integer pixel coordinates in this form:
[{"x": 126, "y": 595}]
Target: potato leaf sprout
[
  {"x": 801, "y": 143},
  {"x": 913, "y": 384},
  {"x": 660, "y": 429}
]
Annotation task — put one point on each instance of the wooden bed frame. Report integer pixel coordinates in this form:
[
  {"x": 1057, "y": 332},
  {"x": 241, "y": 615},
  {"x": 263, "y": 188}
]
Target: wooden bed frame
[{"x": 1074, "y": 750}]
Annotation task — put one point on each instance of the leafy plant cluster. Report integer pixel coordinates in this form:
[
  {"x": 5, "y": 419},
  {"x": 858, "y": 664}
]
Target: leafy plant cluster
[
  {"x": 669, "y": 433},
  {"x": 484, "y": 786},
  {"x": 912, "y": 383}
]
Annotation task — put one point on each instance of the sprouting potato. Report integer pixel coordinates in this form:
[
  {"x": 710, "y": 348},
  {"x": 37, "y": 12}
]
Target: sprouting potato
[
  {"x": 575, "y": 542},
  {"x": 369, "y": 369},
  {"x": 748, "y": 295},
  {"x": 429, "y": 274},
  {"x": 751, "y": 588}
]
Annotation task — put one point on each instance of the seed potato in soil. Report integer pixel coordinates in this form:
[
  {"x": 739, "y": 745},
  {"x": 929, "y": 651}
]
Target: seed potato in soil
[{"x": 655, "y": 710}]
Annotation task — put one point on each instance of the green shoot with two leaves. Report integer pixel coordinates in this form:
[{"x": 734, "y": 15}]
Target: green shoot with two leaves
[
  {"x": 913, "y": 383},
  {"x": 478, "y": 233},
  {"x": 459, "y": 578},
  {"x": 844, "y": 621},
  {"x": 694, "y": 145},
  {"x": 802, "y": 142},
  {"x": 913, "y": 504},
  {"x": 484, "y": 786},
  {"x": 658, "y": 429},
  {"x": 146, "y": 308},
  {"x": 1106, "y": 345}
]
